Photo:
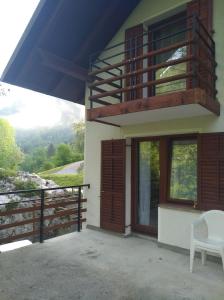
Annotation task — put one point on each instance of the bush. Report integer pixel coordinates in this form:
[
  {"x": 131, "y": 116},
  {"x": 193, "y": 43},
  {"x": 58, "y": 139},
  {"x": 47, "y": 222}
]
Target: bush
[
  {"x": 11, "y": 205},
  {"x": 21, "y": 185},
  {"x": 4, "y": 174},
  {"x": 63, "y": 155},
  {"x": 78, "y": 157},
  {"x": 47, "y": 166}
]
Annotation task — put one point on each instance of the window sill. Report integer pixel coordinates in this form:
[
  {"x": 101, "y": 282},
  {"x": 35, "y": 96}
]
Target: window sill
[{"x": 182, "y": 207}]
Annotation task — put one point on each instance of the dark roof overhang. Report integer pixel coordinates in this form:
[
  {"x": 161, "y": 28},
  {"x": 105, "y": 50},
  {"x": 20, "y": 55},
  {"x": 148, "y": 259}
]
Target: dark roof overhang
[{"x": 52, "y": 55}]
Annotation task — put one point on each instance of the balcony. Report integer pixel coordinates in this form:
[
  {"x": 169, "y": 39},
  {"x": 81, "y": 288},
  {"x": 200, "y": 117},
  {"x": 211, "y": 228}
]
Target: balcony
[
  {"x": 95, "y": 265},
  {"x": 155, "y": 76},
  {"x": 41, "y": 214}
]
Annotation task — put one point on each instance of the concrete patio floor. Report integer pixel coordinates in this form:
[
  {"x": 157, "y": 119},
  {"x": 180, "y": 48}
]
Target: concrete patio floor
[{"x": 96, "y": 265}]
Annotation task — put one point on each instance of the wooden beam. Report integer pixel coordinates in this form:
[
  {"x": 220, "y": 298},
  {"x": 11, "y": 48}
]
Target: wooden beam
[
  {"x": 107, "y": 123},
  {"x": 143, "y": 56},
  {"x": 62, "y": 65},
  {"x": 141, "y": 85},
  {"x": 102, "y": 102},
  {"x": 193, "y": 96},
  {"x": 101, "y": 81}
]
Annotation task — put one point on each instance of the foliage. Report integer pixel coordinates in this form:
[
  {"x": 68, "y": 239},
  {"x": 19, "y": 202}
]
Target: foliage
[
  {"x": 63, "y": 155},
  {"x": 25, "y": 185},
  {"x": 65, "y": 180},
  {"x": 50, "y": 150},
  {"x": 51, "y": 153},
  {"x": 11, "y": 156},
  {"x": 78, "y": 157},
  {"x": 29, "y": 139},
  {"x": 11, "y": 205},
  {"x": 21, "y": 185},
  {"x": 4, "y": 174},
  {"x": 79, "y": 129},
  {"x": 35, "y": 161},
  {"x": 39, "y": 160},
  {"x": 48, "y": 165}
]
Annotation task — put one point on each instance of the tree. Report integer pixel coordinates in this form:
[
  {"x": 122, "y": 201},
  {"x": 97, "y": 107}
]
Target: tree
[
  {"x": 63, "y": 155},
  {"x": 79, "y": 129},
  {"x": 50, "y": 150},
  {"x": 35, "y": 161},
  {"x": 10, "y": 154}
]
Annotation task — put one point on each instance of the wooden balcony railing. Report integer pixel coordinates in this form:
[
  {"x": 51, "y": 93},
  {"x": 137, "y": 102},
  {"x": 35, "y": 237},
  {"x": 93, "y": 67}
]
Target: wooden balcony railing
[
  {"x": 42, "y": 213},
  {"x": 114, "y": 71}
]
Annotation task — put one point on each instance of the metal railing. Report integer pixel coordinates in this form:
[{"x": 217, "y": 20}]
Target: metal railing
[
  {"x": 43, "y": 215},
  {"x": 121, "y": 70}
]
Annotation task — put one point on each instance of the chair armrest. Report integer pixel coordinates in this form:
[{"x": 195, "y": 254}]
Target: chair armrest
[{"x": 199, "y": 229}]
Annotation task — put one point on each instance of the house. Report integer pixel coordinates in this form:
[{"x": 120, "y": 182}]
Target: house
[{"x": 151, "y": 76}]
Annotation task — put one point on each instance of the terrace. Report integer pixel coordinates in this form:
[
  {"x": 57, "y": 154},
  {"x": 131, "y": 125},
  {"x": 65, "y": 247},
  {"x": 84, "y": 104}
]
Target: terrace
[
  {"x": 98, "y": 265},
  {"x": 40, "y": 214},
  {"x": 168, "y": 70}
]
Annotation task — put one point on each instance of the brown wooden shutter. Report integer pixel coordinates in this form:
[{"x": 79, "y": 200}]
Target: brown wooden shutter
[
  {"x": 133, "y": 48},
  {"x": 211, "y": 171},
  {"x": 204, "y": 10},
  {"x": 113, "y": 185}
]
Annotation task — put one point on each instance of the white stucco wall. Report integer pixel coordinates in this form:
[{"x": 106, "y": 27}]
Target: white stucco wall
[{"x": 174, "y": 225}]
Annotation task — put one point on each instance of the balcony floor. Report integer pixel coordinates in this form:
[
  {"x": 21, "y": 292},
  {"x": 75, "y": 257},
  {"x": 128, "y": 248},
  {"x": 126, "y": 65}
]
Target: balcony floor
[
  {"x": 183, "y": 104},
  {"x": 95, "y": 265}
]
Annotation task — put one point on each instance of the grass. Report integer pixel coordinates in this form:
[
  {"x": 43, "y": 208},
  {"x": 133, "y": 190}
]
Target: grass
[
  {"x": 64, "y": 180},
  {"x": 52, "y": 171}
]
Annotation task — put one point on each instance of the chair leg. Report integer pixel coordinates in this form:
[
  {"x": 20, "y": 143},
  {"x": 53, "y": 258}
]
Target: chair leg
[
  {"x": 203, "y": 257},
  {"x": 192, "y": 253},
  {"x": 222, "y": 255}
]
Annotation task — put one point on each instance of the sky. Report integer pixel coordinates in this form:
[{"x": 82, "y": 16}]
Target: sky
[{"x": 24, "y": 108}]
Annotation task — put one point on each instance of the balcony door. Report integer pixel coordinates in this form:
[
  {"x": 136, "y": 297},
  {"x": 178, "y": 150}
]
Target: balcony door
[
  {"x": 147, "y": 184},
  {"x": 165, "y": 34}
]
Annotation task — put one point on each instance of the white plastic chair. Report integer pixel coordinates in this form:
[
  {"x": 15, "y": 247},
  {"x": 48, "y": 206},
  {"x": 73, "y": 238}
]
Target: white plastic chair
[{"x": 207, "y": 235}]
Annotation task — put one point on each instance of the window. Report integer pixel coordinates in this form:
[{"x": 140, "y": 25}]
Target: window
[
  {"x": 183, "y": 170},
  {"x": 165, "y": 34}
]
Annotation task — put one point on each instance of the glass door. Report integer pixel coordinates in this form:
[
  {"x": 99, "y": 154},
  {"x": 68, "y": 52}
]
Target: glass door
[
  {"x": 164, "y": 34},
  {"x": 147, "y": 186}
]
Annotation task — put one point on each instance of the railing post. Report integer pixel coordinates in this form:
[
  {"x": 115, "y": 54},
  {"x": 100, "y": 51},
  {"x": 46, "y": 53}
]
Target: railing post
[
  {"x": 194, "y": 50},
  {"x": 42, "y": 216},
  {"x": 213, "y": 71},
  {"x": 121, "y": 95},
  {"x": 91, "y": 102},
  {"x": 79, "y": 209}
]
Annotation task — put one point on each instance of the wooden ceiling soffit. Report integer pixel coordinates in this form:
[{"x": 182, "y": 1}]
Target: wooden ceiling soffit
[
  {"x": 102, "y": 21},
  {"x": 52, "y": 20},
  {"x": 64, "y": 66}
]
